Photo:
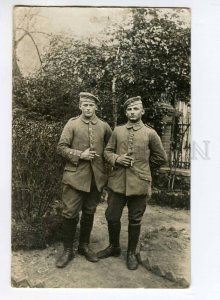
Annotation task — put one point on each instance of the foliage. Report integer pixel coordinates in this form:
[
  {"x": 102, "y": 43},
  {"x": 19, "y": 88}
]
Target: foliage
[
  {"x": 36, "y": 169},
  {"x": 37, "y": 234},
  {"x": 154, "y": 57},
  {"x": 28, "y": 236},
  {"x": 149, "y": 56},
  {"x": 174, "y": 199}
]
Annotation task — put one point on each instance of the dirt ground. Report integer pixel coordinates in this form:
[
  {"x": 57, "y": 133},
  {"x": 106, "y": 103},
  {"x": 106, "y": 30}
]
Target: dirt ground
[{"x": 164, "y": 256}]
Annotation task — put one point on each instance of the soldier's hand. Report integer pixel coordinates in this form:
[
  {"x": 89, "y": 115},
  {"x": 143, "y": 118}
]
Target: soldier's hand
[
  {"x": 88, "y": 154},
  {"x": 125, "y": 160}
]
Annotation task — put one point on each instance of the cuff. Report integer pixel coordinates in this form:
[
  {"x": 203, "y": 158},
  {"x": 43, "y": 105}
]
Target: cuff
[
  {"x": 114, "y": 161},
  {"x": 74, "y": 156}
]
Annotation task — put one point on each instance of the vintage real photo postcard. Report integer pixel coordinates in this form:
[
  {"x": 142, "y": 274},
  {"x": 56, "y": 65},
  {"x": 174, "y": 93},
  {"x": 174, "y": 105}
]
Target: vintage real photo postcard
[{"x": 101, "y": 138}]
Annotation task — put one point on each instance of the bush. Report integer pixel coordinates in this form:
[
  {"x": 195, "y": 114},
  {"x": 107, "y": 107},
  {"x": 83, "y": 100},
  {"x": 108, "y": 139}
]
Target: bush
[
  {"x": 174, "y": 199},
  {"x": 36, "y": 168},
  {"x": 181, "y": 179},
  {"x": 36, "y": 234},
  {"x": 28, "y": 236}
]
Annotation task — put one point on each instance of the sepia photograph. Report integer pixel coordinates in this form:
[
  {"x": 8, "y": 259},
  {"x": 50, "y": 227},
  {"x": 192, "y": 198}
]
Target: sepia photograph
[{"x": 101, "y": 147}]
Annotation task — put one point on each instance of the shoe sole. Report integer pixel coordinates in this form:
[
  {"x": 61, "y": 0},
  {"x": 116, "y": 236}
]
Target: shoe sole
[{"x": 132, "y": 269}]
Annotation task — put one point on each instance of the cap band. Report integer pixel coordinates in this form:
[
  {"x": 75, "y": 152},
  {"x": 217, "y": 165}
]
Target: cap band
[
  {"x": 134, "y": 103},
  {"x": 88, "y": 97},
  {"x": 134, "y": 100}
]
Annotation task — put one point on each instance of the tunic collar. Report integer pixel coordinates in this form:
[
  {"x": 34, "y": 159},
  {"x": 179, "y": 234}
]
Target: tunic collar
[
  {"x": 135, "y": 126},
  {"x": 94, "y": 120}
]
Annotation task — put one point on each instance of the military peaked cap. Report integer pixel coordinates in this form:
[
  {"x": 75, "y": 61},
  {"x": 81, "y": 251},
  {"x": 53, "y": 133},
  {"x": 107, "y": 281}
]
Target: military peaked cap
[
  {"x": 134, "y": 100},
  {"x": 87, "y": 96}
]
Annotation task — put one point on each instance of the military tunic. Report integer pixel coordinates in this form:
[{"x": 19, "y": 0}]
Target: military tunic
[
  {"x": 144, "y": 145},
  {"x": 78, "y": 135}
]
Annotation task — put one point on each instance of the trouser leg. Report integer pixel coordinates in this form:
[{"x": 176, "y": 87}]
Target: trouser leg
[{"x": 69, "y": 231}]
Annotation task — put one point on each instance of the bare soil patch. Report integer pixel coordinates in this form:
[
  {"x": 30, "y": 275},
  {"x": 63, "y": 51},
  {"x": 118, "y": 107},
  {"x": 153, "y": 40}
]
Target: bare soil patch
[{"x": 164, "y": 250}]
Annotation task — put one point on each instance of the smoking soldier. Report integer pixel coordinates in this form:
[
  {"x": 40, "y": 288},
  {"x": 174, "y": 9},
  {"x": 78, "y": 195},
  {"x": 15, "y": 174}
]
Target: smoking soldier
[
  {"x": 82, "y": 144},
  {"x": 131, "y": 150}
]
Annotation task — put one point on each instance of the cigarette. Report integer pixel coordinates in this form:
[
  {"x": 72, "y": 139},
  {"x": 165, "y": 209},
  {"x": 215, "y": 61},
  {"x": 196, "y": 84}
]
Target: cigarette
[{"x": 97, "y": 155}]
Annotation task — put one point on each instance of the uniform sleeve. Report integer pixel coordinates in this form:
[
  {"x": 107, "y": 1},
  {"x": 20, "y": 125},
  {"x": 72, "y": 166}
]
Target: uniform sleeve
[
  {"x": 158, "y": 155},
  {"x": 109, "y": 152},
  {"x": 108, "y": 134},
  {"x": 64, "y": 145}
]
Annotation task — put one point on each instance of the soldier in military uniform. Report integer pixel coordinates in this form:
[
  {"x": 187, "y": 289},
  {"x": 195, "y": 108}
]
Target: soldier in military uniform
[
  {"x": 82, "y": 144},
  {"x": 131, "y": 150}
]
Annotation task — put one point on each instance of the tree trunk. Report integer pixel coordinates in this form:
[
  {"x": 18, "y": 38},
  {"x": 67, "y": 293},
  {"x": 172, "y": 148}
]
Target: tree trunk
[{"x": 114, "y": 102}]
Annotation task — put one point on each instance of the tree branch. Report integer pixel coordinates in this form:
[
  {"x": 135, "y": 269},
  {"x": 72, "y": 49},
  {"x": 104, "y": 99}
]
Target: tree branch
[
  {"x": 21, "y": 38},
  {"x": 31, "y": 37},
  {"x": 48, "y": 34}
]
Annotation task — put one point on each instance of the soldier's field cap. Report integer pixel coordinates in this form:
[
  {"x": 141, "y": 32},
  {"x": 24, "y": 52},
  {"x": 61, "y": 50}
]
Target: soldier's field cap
[
  {"x": 133, "y": 100},
  {"x": 87, "y": 96}
]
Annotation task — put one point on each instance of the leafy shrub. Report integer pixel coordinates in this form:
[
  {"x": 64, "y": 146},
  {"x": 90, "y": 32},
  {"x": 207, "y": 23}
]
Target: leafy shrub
[
  {"x": 28, "y": 236},
  {"x": 174, "y": 199},
  {"x": 161, "y": 180},
  {"x": 150, "y": 57},
  {"x": 36, "y": 234},
  {"x": 36, "y": 168}
]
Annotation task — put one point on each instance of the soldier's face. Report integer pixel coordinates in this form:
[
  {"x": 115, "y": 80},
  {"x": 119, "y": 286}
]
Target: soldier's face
[
  {"x": 88, "y": 108},
  {"x": 134, "y": 112}
]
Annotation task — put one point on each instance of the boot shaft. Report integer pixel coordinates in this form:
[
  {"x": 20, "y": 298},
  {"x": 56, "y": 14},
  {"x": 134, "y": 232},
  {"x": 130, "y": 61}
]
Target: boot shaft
[
  {"x": 114, "y": 230},
  {"x": 86, "y": 224},
  {"x": 69, "y": 232},
  {"x": 133, "y": 237}
]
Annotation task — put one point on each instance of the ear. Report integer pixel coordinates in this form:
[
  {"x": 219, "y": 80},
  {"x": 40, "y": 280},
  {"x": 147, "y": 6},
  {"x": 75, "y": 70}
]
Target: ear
[{"x": 80, "y": 106}]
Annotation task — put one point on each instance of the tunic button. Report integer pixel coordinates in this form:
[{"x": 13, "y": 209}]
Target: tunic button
[{"x": 71, "y": 152}]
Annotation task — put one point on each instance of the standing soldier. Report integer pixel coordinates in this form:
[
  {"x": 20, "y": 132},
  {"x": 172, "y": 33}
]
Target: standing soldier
[
  {"x": 130, "y": 150},
  {"x": 82, "y": 144}
]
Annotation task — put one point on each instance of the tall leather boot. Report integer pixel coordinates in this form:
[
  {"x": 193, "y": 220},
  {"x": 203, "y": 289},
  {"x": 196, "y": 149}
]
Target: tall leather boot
[
  {"x": 69, "y": 231},
  {"x": 113, "y": 248},
  {"x": 86, "y": 225},
  {"x": 133, "y": 238}
]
